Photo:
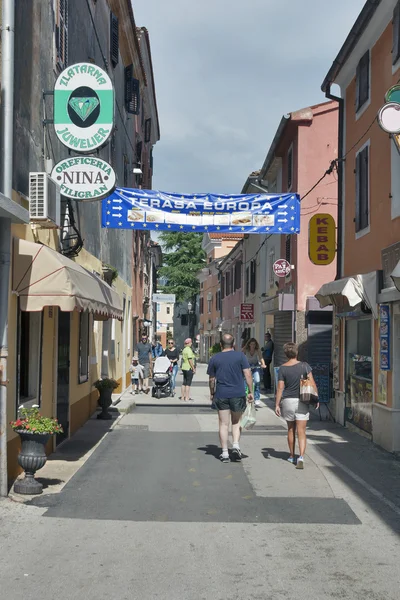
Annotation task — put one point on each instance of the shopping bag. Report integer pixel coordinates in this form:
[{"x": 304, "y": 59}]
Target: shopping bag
[
  {"x": 308, "y": 393},
  {"x": 249, "y": 416}
]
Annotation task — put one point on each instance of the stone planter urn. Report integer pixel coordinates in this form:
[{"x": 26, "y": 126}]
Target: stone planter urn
[
  {"x": 105, "y": 401},
  {"x": 31, "y": 458}
]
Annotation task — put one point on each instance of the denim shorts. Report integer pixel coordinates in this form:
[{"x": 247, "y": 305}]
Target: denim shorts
[{"x": 232, "y": 404}]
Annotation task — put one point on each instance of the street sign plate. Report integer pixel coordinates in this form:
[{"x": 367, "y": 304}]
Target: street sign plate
[{"x": 247, "y": 312}]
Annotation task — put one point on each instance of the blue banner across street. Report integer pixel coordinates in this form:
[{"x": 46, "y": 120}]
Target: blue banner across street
[{"x": 240, "y": 213}]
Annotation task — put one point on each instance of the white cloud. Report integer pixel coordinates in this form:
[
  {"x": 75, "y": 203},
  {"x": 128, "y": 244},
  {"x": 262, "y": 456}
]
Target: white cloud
[{"x": 225, "y": 73}]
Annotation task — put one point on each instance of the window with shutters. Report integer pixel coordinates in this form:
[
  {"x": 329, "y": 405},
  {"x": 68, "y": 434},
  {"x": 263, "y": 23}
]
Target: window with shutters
[
  {"x": 247, "y": 280},
  {"x": 114, "y": 40},
  {"x": 222, "y": 287},
  {"x": 288, "y": 249},
  {"x": 396, "y": 34},
  {"x": 201, "y": 305},
  {"x": 362, "y": 81},
  {"x": 126, "y": 171},
  {"x": 253, "y": 278},
  {"x": 238, "y": 275},
  {"x": 227, "y": 283},
  {"x": 62, "y": 33},
  {"x": 362, "y": 188},
  {"x": 139, "y": 147},
  {"x": 209, "y": 306},
  {"x": 132, "y": 92},
  {"x": 147, "y": 130},
  {"x": 218, "y": 300},
  {"x": 290, "y": 168},
  {"x": 271, "y": 267}
]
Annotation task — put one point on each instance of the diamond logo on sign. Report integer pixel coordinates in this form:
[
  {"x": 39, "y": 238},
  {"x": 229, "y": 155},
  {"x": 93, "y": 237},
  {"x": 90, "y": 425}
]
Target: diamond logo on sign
[{"x": 83, "y": 107}]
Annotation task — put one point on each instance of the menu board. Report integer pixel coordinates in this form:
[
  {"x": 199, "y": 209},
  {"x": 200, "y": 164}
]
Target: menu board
[
  {"x": 321, "y": 376},
  {"x": 384, "y": 337}
]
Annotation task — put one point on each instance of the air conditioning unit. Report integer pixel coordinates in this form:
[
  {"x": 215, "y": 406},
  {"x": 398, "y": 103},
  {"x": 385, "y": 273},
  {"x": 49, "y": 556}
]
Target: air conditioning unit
[{"x": 44, "y": 200}]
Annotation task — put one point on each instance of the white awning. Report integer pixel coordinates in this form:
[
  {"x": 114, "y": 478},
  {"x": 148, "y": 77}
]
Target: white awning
[
  {"x": 43, "y": 277},
  {"x": 349, "y": 292}
]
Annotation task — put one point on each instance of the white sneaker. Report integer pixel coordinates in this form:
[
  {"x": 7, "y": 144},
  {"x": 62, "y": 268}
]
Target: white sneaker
[{"x": 257, "y": 403}]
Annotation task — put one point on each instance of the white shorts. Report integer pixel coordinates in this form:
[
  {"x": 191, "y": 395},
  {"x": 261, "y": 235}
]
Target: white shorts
[{"x": 294, "y": 410}]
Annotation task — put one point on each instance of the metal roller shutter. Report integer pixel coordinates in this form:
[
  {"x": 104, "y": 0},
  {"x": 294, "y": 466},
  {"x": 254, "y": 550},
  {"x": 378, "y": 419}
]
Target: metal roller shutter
[
  {"x": 283, "y": 333},
  {"x": 319, "y": 343}
]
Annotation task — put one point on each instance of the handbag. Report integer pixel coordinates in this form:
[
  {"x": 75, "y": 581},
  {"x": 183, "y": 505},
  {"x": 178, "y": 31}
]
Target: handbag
[
  {"x": 249, "y": 416},
  {"x": 308, "y": 391}
]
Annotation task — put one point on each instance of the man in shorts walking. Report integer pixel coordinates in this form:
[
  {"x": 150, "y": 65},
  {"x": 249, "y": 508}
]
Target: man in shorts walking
[{"x": 228, "y": 370}]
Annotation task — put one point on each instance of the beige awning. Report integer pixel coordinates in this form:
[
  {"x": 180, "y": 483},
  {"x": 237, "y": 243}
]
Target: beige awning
[
  {"x": 349, "y": 292},
  {"x": 43, "y": 277}
]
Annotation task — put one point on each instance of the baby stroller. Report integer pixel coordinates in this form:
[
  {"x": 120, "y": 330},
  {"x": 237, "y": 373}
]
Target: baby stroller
[{"x": 162, "y": 378}]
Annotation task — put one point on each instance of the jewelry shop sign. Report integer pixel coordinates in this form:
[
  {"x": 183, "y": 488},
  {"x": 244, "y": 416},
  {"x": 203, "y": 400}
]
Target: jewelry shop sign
[
  {"x": 84, "y": 177},
  {"x": 384, "y": 337},
  {"x": 83, "y": 107}
]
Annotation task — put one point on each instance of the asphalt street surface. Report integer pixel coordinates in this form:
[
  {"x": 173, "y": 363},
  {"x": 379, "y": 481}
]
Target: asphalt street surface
[{"x": 153, "y": 514}]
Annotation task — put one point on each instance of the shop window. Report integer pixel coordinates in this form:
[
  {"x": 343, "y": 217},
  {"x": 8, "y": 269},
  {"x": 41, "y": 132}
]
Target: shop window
[
  {"x": 362, "y": 188},
  {"x": 359, "y": 373},
  {"x": 83, "y": 346},
  {"x": 30, "y": 340},
  {"x": 362, "y": 81},
  {"x": 396, "y": 34}
]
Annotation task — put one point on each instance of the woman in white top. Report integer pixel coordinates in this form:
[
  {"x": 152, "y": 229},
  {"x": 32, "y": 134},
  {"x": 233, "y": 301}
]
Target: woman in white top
[{"x": 256, "y": 362}]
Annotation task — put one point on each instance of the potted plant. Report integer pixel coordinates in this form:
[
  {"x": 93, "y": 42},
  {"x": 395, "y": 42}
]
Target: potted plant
[
  {"x": 214, "y": 349},
  {"x": 34, "y": 431},
  {"x": 105, "y": 387}
]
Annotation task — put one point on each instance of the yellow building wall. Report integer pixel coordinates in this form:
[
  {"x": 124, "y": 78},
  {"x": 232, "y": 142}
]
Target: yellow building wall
[{"x": 82, "y": 396}]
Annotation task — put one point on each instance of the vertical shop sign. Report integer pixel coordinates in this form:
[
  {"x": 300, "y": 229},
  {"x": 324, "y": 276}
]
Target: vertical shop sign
[{"x": 384, "y": 337}]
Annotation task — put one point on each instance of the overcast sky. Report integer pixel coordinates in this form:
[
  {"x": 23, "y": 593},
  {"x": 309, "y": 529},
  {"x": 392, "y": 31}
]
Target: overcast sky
[{"x": 225, "y": 73}]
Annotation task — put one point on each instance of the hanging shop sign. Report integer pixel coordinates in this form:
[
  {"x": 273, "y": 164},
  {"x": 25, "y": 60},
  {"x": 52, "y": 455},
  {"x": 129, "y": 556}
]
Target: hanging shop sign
[
  {"x": 281, "y": 267},
  {"x": 170, "y": 298},
  {"x": 83, "y": 107},
  {"x": 384, "y": 337},
  {"x": 322, "y": 239},
  {"x": 84, "y": 177},
  {"x": 247, "y": 312},
  {"x": 243, "y": 213},
  {"x": 389, "y": 114}
]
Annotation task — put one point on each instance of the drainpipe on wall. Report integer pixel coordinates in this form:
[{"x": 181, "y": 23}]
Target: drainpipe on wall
[
  {"x": 7, "y": 110},
  {"x": 340, "y": 168}
]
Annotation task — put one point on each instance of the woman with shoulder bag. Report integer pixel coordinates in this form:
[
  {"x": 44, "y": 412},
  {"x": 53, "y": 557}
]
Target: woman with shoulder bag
[{"x": 292, "y": 376}]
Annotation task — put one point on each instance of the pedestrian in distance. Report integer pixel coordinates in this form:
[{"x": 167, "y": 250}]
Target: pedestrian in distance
[
  {"x": 228, "y": 370},
  {"x": 288, "y": 404},
  {"x": 172, "y": 353},
  {"x": 256, "y": 362},
  {"x": 188, "y": 370},
  {"x": 267, "y": 354},
  {"x": 137, "y": 372},
  {"x": 156, "y": 348},
  {"x": 145, "y": 356}
]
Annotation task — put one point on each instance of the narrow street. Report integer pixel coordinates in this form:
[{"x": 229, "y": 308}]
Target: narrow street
[{"x": 153, "y": 514}]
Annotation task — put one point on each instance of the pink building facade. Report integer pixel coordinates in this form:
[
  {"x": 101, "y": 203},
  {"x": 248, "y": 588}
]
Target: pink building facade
[{"x": 231, "y": 280}]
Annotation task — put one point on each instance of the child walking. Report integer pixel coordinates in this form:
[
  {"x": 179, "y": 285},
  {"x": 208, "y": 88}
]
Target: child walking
[{"x": 137, "y": 374}]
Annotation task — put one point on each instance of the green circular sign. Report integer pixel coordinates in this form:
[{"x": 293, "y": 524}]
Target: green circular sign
[
  {"x": 393, "y": 94},
  {"x": 83, "y": 107}
]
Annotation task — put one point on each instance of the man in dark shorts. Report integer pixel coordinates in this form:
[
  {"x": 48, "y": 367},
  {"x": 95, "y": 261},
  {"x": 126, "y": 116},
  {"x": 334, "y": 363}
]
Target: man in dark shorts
[
  {"x": 228, "y": 371},
  {"x": 145, "y": 357}
]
